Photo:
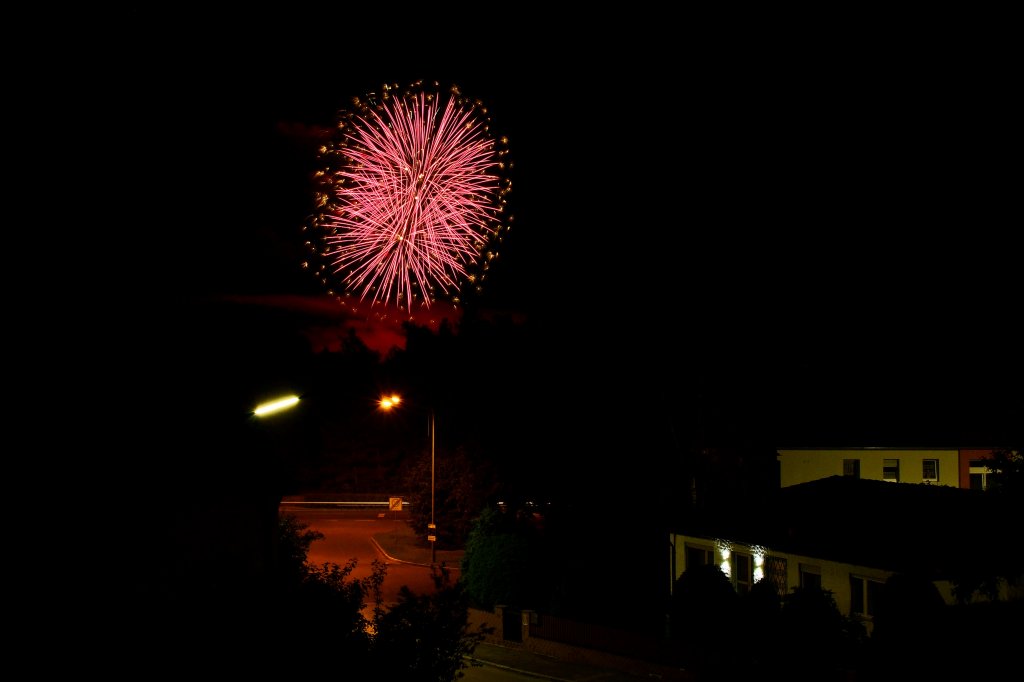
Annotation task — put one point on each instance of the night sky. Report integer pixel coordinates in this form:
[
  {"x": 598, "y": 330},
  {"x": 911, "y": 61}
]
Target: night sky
[
  {"x": 803, "y": 235},
  {"x": 748, "y": 232}
]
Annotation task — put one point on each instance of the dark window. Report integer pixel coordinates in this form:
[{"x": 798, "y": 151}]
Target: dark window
[
  {"x": 699, "y": 556},
  {"x": 851, "y": 467},
  {"x": 864, "y": 596},
  {"x": 856, "y": 595},
  {"x": 810, "y": 577},
  {"x": 891, "y": 470},
  {"x": 743, "y": 568},
  {"x": 930, "y": 469},
  {"x": 874, "y": 594},
  {"x": 977, "y": 481}
]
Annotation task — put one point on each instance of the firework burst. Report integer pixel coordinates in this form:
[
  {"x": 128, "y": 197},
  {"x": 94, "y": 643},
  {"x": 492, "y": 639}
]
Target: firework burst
[{"x": 411, "y": 198}]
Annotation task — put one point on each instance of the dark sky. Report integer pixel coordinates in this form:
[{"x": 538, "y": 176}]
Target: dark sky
[{"x": 812, "y": 230}]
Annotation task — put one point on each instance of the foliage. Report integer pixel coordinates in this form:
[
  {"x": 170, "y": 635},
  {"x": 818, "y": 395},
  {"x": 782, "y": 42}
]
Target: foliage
[
  {"x": 462, "y": 487},
  {"x": 701, "y": 591},
  {"x": 426, "y": 637},
  {"x": 1008, "y": 472},
  {"x": 324, "y": 609},
  {"x": 826, "y": 638},
  {"x": 294, "y": 540},
  {"x": 995, "y": 530},
  {"x": 702, "y": 611},
  {"x": 759, "y": 632},
  {"x": 910, "y": 618},
  {"x": 760, "y": 610},
  {"x": 499, "y": 564},
  {"x": 974, "y": 579}
]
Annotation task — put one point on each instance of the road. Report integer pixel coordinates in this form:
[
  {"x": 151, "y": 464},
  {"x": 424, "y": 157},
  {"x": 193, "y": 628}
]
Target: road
[
  {"x": 489, "y": 673},
  {"x": 348, "y": 535}
]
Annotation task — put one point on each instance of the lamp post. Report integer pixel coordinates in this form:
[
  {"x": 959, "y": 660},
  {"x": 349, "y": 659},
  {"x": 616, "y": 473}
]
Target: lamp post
[
  {"x": 432, "y": 529},
  {"x": 386, "y": 403}
]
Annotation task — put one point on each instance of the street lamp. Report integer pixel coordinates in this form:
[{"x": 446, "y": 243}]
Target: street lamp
[
  {"x": 386, "y": 403},
  {"x": 432, "y": 534},
  {"x": 272, "y": 406},
  {"x": 269, "y": 517}
]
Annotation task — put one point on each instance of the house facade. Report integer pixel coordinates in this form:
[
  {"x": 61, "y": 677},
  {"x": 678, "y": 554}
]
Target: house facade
[
  {"x": 956, "y": 467},
  {"x": 850, "y": 535},
  {"x": 854, "y": 587}
]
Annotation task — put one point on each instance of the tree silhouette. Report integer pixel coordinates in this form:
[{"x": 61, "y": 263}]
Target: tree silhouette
[
  {"x": 910, "y": 621},
  {"x": 994, "y": 526},
  {"x": 821, "y": 640},
  {"x": 321, "y": 623},
  {"x": 424, "y": 638},
  {"x": 502, "y": 562},
  {"x": 702, "y": 613},
  {"x": 462, "y": 487},
  {"x": 1007, "y": 466}
]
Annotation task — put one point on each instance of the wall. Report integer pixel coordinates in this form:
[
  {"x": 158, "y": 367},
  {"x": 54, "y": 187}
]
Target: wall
[
  {"x": 835, "y": 576},
  {"x": 588, "y": 644},
  {"x": 965, "y": 464},
  {"x": 803, "y": 465}
]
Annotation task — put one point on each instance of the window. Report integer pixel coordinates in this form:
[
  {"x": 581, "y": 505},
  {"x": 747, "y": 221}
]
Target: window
[
  {"x": 891, "y": 470},
  {"x": 978, "y": 475},
  {"x": 864, "y": 595},
  {"x": 851, "y": 467},
  {"x": 699, "y": 556},
  {"x": 930, "y": 470},
  {"x": 775, "y": 573},
  {"x": 810, "y": 577},
  {"x": 743, "y": 571}
]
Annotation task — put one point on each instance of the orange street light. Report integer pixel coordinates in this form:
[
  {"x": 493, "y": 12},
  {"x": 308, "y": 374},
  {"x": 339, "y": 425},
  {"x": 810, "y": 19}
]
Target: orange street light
[{"x": 387, "y": 402}]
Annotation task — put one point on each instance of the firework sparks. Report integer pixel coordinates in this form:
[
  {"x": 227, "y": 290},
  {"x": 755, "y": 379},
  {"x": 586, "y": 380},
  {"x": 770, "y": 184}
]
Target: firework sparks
[{"x": 411, "y": 198}]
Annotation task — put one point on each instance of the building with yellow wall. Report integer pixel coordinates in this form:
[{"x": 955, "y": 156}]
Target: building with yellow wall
[{"x": 938, "y": 466}]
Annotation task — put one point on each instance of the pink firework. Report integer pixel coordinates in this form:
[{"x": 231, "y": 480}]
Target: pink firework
[{"x": 411, "y": 198}]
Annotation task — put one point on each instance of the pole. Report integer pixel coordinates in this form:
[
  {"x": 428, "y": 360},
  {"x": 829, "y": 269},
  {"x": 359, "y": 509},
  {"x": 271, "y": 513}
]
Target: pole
[{"x": 433, "y": 542}]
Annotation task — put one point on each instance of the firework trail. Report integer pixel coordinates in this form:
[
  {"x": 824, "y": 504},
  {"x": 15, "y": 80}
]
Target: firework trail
[{"x": 411, "y": 197}]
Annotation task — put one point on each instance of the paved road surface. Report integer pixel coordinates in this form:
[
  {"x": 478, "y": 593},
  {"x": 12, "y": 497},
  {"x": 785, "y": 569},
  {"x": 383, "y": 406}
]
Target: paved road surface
[{"x": 348, "y": 534}]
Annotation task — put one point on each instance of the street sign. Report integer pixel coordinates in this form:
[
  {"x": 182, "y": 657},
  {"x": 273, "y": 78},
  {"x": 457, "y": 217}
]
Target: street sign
[
  {"x": 395, "y": 503},
  {"x": 432, "y": 538}
]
